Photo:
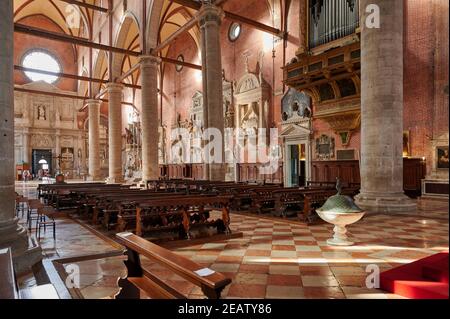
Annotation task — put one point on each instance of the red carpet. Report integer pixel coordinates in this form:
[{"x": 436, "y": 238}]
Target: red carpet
[{"x": 423, "y": 279}]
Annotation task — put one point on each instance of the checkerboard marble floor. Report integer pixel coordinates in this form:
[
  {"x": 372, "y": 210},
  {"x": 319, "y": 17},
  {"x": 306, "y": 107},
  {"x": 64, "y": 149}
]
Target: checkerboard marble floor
[{"x": 277, "y": 258}]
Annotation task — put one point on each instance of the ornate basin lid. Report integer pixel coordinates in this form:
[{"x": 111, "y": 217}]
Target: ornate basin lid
[{"x": 339, "y": 204}]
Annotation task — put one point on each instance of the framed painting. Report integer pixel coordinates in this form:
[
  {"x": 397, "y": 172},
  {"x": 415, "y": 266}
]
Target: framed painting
[{"x": 442, "y": 157}]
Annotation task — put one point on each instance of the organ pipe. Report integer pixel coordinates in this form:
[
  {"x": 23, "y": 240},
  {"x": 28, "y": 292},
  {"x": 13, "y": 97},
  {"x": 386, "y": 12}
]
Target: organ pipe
[{"x": 332, "y": 19}]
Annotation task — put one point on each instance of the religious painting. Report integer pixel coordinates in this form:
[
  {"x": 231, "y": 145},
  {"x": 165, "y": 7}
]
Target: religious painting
[
  {"x": 67, "y": 158},
  {"x": 442, "y": 157}
]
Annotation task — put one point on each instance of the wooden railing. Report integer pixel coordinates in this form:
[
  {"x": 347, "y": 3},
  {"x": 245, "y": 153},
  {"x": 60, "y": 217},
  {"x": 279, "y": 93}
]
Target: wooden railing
[{"x": 141, "y": 280}]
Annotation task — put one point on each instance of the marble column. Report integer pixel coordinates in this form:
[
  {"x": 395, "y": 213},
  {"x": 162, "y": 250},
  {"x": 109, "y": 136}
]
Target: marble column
[
  {"x": 115, "y": 132},
  {"x": 25, "y": 252},
  {"x": 210, "y": 18},
  {"x": 150, "y": 117},
  {"x": 94, "y": 139},
  {"x": 382, "y": 111}
]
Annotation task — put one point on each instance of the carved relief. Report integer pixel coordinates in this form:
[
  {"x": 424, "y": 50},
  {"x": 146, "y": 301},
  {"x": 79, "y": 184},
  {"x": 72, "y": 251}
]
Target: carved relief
[
  {"x": 20, "y": 111},
  {"x": 325, "y": 147},
  {"x": 295, "y": 105},
  {"x": 67, "y": 141},
  {"x": 41, "y": 112},
  {"x": 196, "y": 112},
  {"x": 162, "y": 144},
  {"x": 18, "y": 140},
  {"x": 67, "y": 158},
  {"x": 40, "y": 141},
  {"x": 250, "y": 120},
  {"x": 228, "y": 105},
  {"x": 252, "y": 96}
]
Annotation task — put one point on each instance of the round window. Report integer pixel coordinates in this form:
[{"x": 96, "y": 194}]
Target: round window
[
  {"x": 235, "y": 31},
  {"x": 42, "y": 61},
  {"x": 179, "y": 67}
]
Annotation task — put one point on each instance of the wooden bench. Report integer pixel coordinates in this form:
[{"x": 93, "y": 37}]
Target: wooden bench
[
  {"x": 88, "y": 199},
  {"x": 108, "y": 208},
  {"x": 45, "y": 189},
  {"x": 139, "y": 279},
  {"x": 62, "y": 197},
  {"x": 263, "y": 199},
  {"x": 178, "y": 214}
]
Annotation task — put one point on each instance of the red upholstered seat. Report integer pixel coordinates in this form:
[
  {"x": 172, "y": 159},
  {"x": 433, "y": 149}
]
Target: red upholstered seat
[{"x": 423, "y": 279}]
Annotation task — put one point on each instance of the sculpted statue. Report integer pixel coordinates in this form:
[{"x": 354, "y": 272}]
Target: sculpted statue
[
  {"x": 129, "y": 135},
  {"x": 42, "y": 113}
]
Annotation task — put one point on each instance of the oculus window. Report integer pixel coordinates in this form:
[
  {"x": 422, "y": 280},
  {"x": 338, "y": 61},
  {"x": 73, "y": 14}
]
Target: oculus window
[
  {"x": 41, "y": 60},
  {"x": 179, "y": 67},
  {"x": 234, "y": 32}
]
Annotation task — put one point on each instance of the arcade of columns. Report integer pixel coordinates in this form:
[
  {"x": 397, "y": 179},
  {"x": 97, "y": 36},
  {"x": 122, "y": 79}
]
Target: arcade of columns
[
  {"x": 382, "y": 105},
  {"x": 210, "y": 18}
]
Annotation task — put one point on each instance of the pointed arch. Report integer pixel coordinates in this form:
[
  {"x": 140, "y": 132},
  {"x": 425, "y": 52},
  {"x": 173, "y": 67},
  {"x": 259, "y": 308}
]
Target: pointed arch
[
  {"x": 153, "y": 24},
  {"x": 128, "y": 35},
  {"x": 100, "y": 69}
]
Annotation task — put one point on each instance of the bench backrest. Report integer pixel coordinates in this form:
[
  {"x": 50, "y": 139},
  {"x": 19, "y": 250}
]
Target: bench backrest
[{"x": 212, "y": 283}]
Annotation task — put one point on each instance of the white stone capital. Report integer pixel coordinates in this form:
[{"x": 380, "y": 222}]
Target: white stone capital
[
  {"x": 93, "y": 102},
  {"x": 210, "y": 13},
  {"x": 149, "y": 61},
  {"x": 114, "y": 87}
]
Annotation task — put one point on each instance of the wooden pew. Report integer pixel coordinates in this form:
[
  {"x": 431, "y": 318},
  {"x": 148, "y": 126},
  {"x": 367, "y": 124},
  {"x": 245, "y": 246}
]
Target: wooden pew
[
  {"x": 139, "y": 279},
  {"x": 186, "y": 185},
  {"x": 44, "y": 189},
  {"x": 242, "y": 194},
  {"x": 69, "y": 197},
  {"x": 56, "y": 194},
  {"x": 178, "y": 214},
  {"x": 87, "y": 199},
  {"x": 263, "y": 199},
  {"x": 108, "y": 208}
]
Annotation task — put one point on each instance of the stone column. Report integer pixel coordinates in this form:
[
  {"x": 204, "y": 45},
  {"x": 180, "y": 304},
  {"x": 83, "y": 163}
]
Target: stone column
[
  {"x": 210, "y": 18},
  {"x": 204, "y": 97},
  {"x": 94, "y": 139},
  {"x": 26, "y": 147},
  {"x": 57, "y": 168},
  {"x": 115, "y": 132},
  {"x": 11, "y": 233},
  {"x": 150, "y": 117},
  {"x": 303, "y": 27},
  {"x": 382, "y": 111}
]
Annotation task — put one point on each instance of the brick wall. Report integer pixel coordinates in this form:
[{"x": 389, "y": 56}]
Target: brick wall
[
  {"x": 425, "y": 73},
  {"x": 64, "y": 52}
]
